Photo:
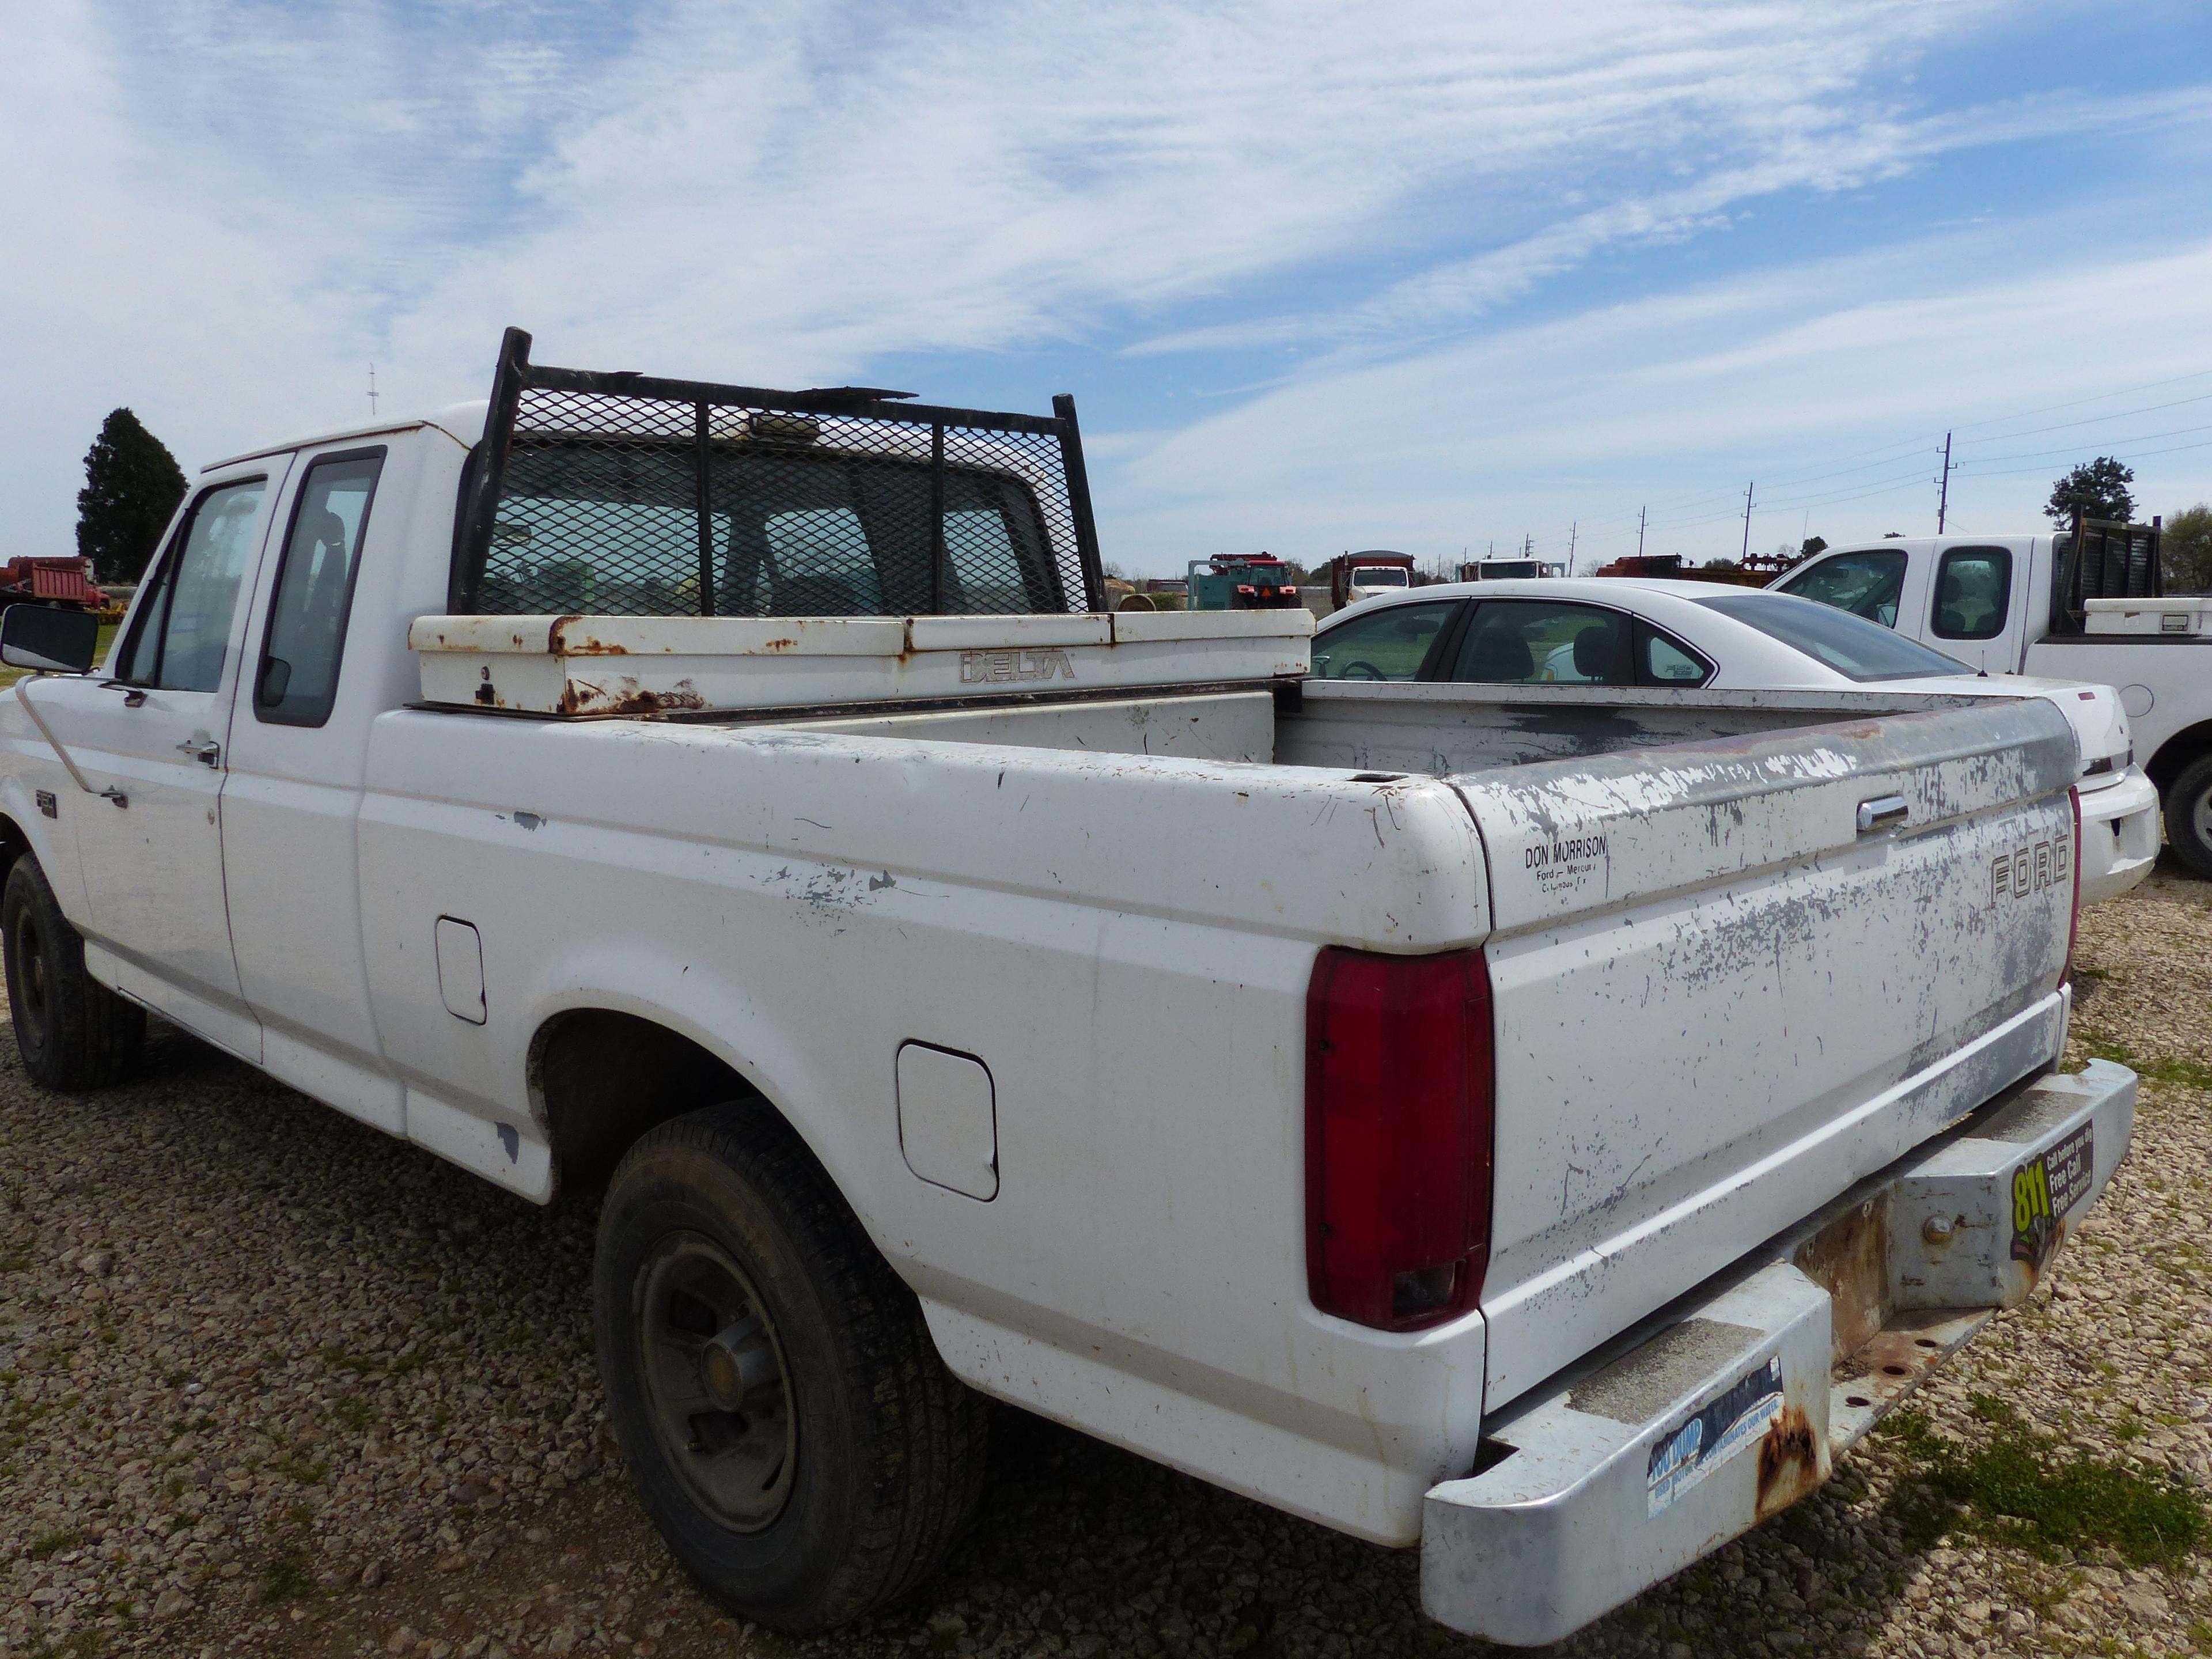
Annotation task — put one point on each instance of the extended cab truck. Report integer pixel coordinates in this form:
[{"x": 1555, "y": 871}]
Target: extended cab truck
[
  {"x": 802, "y": 941},
  {"x": 2031, "y": 605}
]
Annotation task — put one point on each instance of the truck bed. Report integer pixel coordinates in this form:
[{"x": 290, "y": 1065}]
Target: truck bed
[{"x": 1117, "y": 900}]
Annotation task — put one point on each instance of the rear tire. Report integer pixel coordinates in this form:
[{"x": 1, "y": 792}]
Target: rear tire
[
  {"x": 786, "y": 1420},
  {"x": 2188, "y": 815},
  {"x": 73, "y": 1032}
]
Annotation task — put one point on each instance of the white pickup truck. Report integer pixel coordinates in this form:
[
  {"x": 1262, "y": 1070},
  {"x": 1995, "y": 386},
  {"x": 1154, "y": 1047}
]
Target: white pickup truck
[
  {"x": 1588, "y": 1119},
  {"x": 2082, "y": 605}
]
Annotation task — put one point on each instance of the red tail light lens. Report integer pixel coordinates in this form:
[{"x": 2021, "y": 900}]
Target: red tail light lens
[{"x": 1398, "y": 1118}]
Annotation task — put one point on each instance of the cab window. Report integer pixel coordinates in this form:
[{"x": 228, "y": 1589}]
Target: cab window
[
  {"x": 1865, "y": 584},
  {"x": 1973, "y": 587},
  {"x": 1534, "y": 642},
  {"x": 298, "y": 679},
  {"x": 1389, "y": 642},
  {"x": 181, "y": 638}
]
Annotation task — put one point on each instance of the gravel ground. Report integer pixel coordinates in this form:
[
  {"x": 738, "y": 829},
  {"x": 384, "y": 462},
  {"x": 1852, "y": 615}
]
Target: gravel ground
[{"x": 271, "y": 1383}]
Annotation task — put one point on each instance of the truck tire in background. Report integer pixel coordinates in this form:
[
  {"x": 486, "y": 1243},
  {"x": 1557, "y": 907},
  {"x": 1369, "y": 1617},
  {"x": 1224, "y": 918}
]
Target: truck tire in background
[
  {"x": 786, "y": 1421},
  {"x": 2188, "y": 815},
  {"x": 72, "y": 1031}
]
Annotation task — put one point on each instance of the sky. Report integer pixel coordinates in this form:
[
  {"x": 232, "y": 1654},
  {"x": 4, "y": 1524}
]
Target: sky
[{"x": 1434, "y": 278}]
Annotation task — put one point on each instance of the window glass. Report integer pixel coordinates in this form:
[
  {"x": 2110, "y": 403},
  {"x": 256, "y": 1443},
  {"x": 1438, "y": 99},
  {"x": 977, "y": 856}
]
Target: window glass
[
  {"x": 793, "y": 531},
  {"x": 1973, "y": 585},
  {"x": 1661, "y": 660},
  {"x": 299, "y": 674},
  {"x": 1380, "y": 575},
  {"x": 1865, "y": 584},
  {"x": 1535, "y": 642},
  {"x": 182, "y": 637},
  {"x": 1386, "y": 643},
  {"x": 1853, "y": 647},
  {"x": 819, "y": 565}
]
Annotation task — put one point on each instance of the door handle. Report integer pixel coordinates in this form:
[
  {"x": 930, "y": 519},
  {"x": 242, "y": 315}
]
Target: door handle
[
  {"x": 1885, "y": 813},
  {"x": 209, "y": 752}
]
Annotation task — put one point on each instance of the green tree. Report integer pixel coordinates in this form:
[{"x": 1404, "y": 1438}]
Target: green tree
[
  {"x": 2098, "y": 489},
  {"x": 1812, "y": 544},
  {"x": 2185, "y": 549},
  {"x": 131, "y": 486}
]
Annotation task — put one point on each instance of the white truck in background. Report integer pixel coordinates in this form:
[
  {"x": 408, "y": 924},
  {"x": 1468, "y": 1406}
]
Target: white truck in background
[
  {"x": 2082, "y": 605},
  {"x": 803, "y": 929}
]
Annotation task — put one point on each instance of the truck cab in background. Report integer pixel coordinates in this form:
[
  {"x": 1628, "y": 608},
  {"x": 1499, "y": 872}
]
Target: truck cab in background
[{"x": 2070, "y": 606}]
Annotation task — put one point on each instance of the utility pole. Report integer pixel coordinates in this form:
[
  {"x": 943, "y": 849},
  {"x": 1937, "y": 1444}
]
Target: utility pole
[
  {"x": 1748, "y": 488},
  {"x": 1943, "y": 500},
  {"x": 372, "y": 392},
  {"x": 1572, "y": 525},
  {"x": 1639, "y": 530}
]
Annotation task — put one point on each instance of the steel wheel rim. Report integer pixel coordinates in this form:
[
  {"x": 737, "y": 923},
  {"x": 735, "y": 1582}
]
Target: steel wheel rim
[
  {"x": 2200, "y": 813},
  {"x": 717, "y": 1390},
  {"x": 31, "y": 974}
]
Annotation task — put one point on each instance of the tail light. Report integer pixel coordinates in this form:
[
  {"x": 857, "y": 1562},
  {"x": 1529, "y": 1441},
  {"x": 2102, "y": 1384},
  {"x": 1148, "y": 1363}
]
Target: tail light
[
  {"x": 2073, "y": 921},
  {"x": 1398, "y": 1118}
]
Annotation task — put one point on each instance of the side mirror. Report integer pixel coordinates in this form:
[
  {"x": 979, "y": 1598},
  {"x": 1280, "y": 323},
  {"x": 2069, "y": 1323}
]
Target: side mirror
[
  {"x": 276, "y": 680},
  {"x": 47, "y": 637}
]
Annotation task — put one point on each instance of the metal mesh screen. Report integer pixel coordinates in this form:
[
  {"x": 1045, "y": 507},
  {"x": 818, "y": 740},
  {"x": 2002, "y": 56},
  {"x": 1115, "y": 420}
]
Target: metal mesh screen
[
  {"x": 610, "y": 495},
  {"x": 2101, "y": 560}
]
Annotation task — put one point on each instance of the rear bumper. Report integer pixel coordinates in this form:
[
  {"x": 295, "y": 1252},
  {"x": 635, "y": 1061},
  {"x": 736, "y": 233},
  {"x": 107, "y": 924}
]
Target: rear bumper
[
  {"x": 1735, "y": 1402},
  {"x": 2119, "y": 835}
]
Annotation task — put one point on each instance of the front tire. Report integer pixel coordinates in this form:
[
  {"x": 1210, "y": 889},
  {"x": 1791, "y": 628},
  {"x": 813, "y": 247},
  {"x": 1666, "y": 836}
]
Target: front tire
[
  {"x": 786, "y": 1420},
  {"x": 73, "y": 1032},
  {"x": 2188, "y": 815}
]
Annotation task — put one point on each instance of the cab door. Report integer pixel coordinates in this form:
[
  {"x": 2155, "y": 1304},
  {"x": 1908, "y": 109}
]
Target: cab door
[{"x": 150, "y": 742}]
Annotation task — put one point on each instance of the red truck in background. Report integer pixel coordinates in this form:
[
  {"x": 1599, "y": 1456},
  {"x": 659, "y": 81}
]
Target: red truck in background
[{"x": 51, "y": 581}]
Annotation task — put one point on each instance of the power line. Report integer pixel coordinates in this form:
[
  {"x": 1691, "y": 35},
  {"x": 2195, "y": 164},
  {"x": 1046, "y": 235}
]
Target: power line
[
  {"x": 2074, "y": 449},
  {"x": 2093, "y": 420},
  {"x": 2141, "y": 454}
]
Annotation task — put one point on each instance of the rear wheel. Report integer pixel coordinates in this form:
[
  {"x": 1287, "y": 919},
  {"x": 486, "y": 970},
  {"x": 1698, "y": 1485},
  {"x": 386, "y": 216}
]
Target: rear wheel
[
  {"x": 786, "y": 1417},
  {"x": 2188, "y": 815},
  {"x": 73, "y": 1032}
]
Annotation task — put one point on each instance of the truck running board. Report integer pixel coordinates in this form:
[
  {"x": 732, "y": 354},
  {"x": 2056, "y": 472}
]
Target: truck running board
[{"x": 1736, "y": 1401}]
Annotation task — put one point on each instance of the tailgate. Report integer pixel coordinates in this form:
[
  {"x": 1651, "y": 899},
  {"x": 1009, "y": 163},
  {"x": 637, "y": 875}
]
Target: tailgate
[{"x": 1733, "y": 978}]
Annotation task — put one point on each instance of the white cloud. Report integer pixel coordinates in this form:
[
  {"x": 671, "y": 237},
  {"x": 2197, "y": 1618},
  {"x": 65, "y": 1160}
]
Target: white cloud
[{"x": 221, "y": 209}]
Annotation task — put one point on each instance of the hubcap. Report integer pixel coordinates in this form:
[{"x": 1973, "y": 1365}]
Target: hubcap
[
  {"x": 31, "y": 974},
  {"x": 2201, "y": 813},
  {"x": 716, "y": 1384}
]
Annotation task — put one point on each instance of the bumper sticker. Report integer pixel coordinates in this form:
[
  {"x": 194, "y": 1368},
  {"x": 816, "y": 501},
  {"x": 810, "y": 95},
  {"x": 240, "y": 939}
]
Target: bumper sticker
[
  {"x": 1716, "y": 1433},
  {"x": 2043, "y": 1189}
]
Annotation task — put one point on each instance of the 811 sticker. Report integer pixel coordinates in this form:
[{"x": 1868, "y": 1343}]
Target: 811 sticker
[{"x": 2043, "y": 1189}]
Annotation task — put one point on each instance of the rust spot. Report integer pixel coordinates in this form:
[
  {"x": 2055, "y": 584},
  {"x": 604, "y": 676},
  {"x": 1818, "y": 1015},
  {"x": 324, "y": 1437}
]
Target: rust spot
[
  {"x": 779, "y": 645},
  {"x": 1788, "y": 1461},
  {"x": 1848, "y": 1258}
]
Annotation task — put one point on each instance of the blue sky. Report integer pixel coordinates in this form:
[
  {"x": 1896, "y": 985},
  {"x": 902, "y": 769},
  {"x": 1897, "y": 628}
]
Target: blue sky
[{"x": 1319, "y": 277}]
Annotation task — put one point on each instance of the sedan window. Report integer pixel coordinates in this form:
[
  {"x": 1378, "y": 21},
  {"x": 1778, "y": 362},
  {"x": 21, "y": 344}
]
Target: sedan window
[
  {"x": 1534, "y": 642},
  {"x": 1387, "y": 642},
  {"x": 1854, "y": 647}
]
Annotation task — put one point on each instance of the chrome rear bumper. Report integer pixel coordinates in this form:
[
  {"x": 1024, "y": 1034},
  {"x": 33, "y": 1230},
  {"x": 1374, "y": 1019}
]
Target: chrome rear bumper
[{"x": 1735, "y": 1402}]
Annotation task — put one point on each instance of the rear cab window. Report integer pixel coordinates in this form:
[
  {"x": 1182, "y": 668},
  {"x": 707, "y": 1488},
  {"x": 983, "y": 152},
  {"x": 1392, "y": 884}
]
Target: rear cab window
[
  {"x": 1973, "y": 592},
  {"x": 296, "y": 683}
]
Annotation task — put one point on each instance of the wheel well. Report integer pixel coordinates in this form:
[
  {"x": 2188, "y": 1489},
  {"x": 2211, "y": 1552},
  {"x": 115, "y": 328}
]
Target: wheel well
[
  {"x": 604, "y": 1079},
  {"x": 2177, "y": 752},
  {"x": 14, "y": 843}
]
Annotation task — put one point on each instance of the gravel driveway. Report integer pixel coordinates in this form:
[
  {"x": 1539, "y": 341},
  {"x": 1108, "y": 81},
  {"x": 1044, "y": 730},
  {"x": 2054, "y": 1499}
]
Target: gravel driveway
[{"x": 271, "y": 1382}]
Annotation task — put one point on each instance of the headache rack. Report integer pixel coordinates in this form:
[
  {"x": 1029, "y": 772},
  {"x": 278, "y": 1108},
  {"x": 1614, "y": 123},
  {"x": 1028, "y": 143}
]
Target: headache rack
[
  {"x": 626, "y": 495},
  {"x": 2102, "y": 559}
]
